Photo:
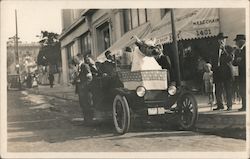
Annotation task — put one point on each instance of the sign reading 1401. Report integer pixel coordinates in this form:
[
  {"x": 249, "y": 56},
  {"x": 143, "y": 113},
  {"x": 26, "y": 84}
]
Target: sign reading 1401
[{"x": 203, "y": 32}]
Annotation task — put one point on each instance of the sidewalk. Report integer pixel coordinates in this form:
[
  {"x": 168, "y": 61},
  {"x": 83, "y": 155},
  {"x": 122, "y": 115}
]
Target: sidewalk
[
  {"x": 58, "y": 91},
  {"x": 207, "y": 119}
]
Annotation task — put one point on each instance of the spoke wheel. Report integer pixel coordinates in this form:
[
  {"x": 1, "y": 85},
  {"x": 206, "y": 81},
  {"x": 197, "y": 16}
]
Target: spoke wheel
[
  {"x": 187, "y": 111},
  {"x": 121, "y": 114}
]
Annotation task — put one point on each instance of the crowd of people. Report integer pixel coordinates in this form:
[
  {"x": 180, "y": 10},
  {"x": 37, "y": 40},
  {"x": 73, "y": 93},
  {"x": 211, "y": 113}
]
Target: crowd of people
[
  {"x": 31, "y": 80},
  {"x": 85, "y": 76},
  {"x": 227, "y": 68}
]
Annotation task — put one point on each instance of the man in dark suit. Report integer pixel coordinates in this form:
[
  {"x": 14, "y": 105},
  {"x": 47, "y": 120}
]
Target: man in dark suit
[
  {"x": 223, "y": 71},
  {"x": 108, "y": 66},
  {"x": 240, "y": 61},
  {"x": 84, "y": 80}
]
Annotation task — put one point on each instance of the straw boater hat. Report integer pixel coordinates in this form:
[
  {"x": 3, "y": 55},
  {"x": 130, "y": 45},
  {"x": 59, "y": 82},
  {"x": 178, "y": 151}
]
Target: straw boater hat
[{"x": 240, "y": 37}]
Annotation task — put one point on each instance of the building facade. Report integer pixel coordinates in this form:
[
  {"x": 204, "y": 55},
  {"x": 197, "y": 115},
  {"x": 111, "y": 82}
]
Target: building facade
[
  {"x": 92, "y": 31},
  {"x": 27, "y": 53}
]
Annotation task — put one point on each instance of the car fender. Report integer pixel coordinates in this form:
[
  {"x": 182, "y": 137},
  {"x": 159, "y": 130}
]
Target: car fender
[{"x": 122, "y": 91}]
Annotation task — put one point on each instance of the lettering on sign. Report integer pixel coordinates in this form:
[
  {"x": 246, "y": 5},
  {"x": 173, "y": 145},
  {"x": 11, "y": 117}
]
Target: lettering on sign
[
  {"x": 209, "y": 22},
  {"x": 203, "y": 32}
]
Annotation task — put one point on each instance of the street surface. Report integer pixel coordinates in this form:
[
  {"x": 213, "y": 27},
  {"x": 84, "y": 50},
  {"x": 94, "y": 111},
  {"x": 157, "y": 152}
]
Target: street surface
[{"x": 39, "y": 123}]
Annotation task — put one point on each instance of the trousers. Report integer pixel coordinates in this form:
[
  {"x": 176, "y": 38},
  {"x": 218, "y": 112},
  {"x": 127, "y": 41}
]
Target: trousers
[
  {"x": 219, "y": 87},
  {"x": 242, "y": 91},
  {"x": 85, "y": 102}
]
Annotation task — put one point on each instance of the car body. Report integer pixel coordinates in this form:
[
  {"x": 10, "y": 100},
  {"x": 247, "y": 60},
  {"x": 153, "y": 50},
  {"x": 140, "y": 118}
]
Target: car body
[{"x": 143, "y": 97}]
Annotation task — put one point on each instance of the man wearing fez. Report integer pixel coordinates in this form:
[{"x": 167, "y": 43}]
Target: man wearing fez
[
  {"x": 240, "y": 61},
  {"x": 223, "y": 71}
]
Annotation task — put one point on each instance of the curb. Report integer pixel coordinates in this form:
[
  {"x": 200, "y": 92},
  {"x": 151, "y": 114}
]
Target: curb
[{"x": 221, "y": 121}]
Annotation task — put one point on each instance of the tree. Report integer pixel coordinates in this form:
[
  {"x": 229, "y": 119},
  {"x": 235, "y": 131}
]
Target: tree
[{"x": 50, "y": 52}]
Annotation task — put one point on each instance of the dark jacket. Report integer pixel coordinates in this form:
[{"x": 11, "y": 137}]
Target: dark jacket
[
  {"x": 108, "y": 67},
  {"x": 240, "y": 61},
  {"x": 95, "y": 71},
  {"x": 165, "y": 63},
  {"x": 51, "y": 77},
  {"x": 224, "y": 71},
  {"x": 85, "y": 76}
]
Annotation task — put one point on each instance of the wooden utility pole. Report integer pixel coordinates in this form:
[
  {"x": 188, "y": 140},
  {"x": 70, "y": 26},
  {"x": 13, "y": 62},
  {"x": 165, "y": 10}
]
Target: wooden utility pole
[
  {"x": 16, "y": 45},
  {"x": 176, "y": 53}
]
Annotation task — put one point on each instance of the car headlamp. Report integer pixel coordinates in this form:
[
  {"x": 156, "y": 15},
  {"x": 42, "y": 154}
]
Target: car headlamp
[
  {"x": 140, "y": 91},
  {"x": 172, "y": 90}
]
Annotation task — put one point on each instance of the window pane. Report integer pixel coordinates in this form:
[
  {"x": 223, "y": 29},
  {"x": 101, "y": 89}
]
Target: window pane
[
  {"x": 142, "y": 16},
  {"x": 134, "y": 18},
  {"x": 86, "y": 44},
  {"x": 103, "y": 35},
  {"x": 89, "y": 43},
  {"x": 106, "y": 38},
  {"x": 127, "y": 20},
  {"x": 69, "y": 52}
]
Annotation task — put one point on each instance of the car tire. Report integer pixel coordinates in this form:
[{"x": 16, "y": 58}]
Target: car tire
[
  {"x": 187, "y": 111},
  {"x": 121, "y": 114}
]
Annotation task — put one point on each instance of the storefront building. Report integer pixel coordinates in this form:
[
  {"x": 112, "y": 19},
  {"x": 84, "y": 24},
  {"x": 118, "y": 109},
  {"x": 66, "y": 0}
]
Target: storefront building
[
  {"x": 96, "y": 30},
  {"x": 92, "y": 31}
]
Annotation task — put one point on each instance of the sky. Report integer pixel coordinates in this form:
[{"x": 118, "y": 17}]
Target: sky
[{"x": 31, "y": 19}]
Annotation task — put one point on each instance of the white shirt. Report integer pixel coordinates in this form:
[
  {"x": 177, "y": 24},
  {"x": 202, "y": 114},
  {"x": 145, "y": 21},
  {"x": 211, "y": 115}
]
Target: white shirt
[
  {"x": 242, "y": 46},
  {"x": 220, "y": 52}
]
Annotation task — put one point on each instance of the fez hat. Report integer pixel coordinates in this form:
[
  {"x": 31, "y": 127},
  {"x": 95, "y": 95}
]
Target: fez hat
[
  {"x": 240, "y": 37},
  {"x": 221, "y": 36}
]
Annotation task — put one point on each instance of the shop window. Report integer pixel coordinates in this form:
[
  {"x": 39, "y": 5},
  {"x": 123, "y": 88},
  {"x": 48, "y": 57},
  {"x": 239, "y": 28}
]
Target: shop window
[
  {"x": 70, "y": 52},
  {"x": 134, "y": 18},
  {"x": 103, "y": 35},
  {"x": 85, "y": 43},
  {"x": 164, "y": 12},
  {"x": 127, "y": 20}
]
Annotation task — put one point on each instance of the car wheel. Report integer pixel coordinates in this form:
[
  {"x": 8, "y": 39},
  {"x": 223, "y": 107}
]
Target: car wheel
[
  {"x": 187, "y": 111},
  {"x": 121, "y": 114}
]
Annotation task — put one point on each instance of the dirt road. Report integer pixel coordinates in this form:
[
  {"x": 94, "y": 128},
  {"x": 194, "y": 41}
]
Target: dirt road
[{"x": 39, "y": 123}]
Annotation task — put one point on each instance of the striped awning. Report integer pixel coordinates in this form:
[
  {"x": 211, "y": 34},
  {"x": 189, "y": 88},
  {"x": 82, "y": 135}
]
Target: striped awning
[{"x": 190, "y": 24}]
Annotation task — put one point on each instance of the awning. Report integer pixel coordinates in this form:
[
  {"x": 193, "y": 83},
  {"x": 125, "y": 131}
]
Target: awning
[
  {"x": 126, "y": 40},
  {"x": 190, "y": 24}
]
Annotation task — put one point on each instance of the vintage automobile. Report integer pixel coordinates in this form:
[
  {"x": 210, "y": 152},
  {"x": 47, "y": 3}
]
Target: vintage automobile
[{"x": 127, "y": 93}]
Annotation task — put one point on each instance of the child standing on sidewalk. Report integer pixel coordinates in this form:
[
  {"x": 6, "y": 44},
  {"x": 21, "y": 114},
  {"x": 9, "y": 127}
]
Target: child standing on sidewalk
[{"x": 208, "y": 81}]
